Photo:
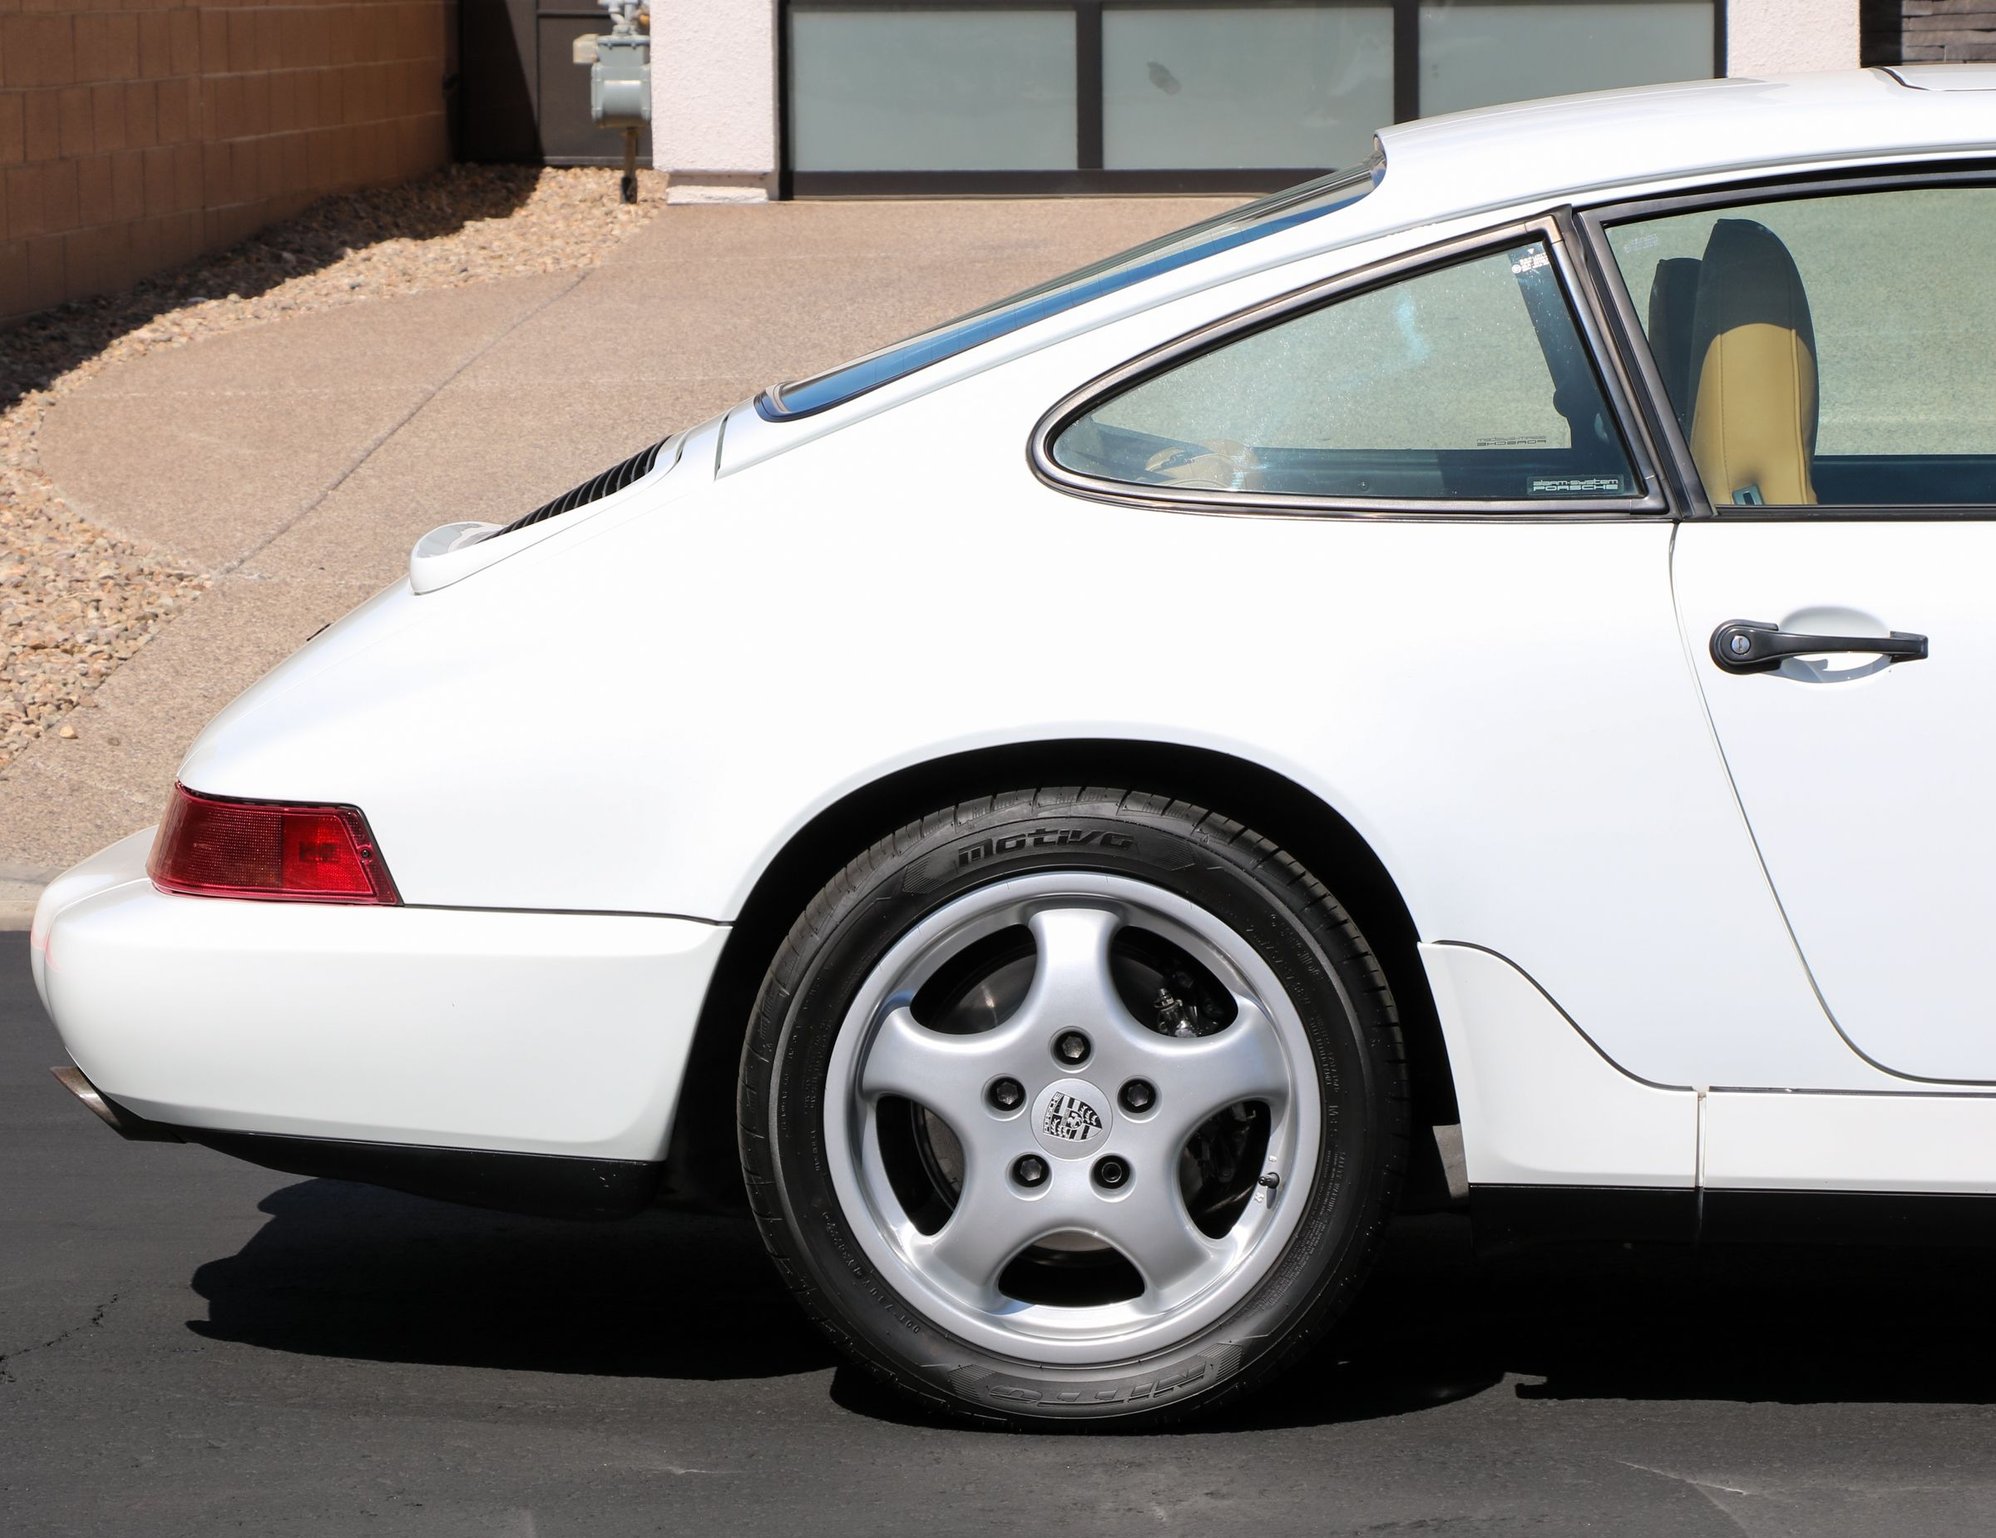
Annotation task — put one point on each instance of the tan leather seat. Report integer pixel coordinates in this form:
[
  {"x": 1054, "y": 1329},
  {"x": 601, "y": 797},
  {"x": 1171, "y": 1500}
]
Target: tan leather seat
[{"x": 1753, "y": 389}]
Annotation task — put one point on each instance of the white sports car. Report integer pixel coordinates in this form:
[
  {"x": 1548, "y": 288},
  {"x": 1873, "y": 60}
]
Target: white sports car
[{"x": 1465, "y": 680}]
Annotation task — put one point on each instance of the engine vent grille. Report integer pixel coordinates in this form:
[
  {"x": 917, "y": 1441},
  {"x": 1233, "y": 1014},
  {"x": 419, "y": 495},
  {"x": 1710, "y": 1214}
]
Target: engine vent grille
[{"x": 614, "y": 479}]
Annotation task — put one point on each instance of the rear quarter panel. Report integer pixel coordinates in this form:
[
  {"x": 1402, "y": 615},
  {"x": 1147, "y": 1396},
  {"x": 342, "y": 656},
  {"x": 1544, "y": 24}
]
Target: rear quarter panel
[{"x": 638, "y": 713}]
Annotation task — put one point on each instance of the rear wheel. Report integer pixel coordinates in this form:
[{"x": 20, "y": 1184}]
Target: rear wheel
[{"x": 1072, "y": 1106}]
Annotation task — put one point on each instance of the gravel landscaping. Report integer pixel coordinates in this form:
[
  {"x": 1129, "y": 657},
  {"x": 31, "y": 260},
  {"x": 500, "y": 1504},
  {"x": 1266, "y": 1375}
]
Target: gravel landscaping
[{"x": 77, "y": 599}]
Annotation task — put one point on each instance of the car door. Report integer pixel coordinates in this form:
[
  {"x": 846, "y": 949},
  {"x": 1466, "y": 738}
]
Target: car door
[{"x": 1827, "y": 353}]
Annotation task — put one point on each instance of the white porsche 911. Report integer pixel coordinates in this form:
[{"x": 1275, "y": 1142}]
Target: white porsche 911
[{"x": 1465, "y": 680}]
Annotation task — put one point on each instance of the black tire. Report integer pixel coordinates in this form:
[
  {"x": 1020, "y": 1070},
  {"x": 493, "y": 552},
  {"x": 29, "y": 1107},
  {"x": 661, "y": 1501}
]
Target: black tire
[{"x": 1293, "y": 923}]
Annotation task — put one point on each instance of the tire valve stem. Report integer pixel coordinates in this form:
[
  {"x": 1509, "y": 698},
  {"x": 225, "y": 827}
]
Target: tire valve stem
[{"x": 1271, "y": 1180}]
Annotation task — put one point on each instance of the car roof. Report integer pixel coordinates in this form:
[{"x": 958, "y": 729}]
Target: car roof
[{"x": 1567, "y": 147}]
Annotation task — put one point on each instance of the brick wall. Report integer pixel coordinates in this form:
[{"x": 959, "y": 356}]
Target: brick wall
[
  {"x": 135, "y": 134},
  {"x": 1929, "y": 31},
  {"x": 1947, "y": 31}
]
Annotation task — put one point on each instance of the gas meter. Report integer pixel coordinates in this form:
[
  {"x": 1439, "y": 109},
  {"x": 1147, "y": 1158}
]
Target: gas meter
[{"x": 620, "y": 80}]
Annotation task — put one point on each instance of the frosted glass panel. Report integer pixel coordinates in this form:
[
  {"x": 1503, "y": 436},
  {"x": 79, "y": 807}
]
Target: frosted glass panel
[
  {"x": 1479, "y": 52},
  {"x": 969, "y": 90},
  {"x": 1293, "y": 85}
]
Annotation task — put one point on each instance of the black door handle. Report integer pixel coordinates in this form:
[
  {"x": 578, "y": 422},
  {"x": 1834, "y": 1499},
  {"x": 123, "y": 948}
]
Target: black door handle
[{"x": 1753, "y": 646}]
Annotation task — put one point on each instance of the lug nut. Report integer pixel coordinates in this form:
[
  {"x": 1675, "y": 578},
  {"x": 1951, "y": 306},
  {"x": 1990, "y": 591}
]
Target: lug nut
[
  {"x": 1071, "y": 1047},
  {"x": 1030, "y": 1171},
  {"x": 1137, "y": 1097},
  {"x": 1111, "y": 1174},
  {"x": 1005, "y": 1095}
]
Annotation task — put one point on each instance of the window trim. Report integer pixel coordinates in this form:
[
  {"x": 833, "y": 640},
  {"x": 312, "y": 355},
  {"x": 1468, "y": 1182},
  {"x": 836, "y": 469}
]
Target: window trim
[
  {"x": 1554, "y": 230},
  {"x": 1631, "y": 339}
]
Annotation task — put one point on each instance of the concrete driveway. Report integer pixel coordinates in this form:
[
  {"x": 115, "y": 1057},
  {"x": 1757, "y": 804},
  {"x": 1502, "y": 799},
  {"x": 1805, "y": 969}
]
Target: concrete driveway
[{"x": 299, "y": 459}]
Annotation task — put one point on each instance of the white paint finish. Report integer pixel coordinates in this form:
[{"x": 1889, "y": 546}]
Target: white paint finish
[
  {"x": 713, "y": 70},
  {"x": 1786, "y": 37},
  {"x": 1572, "y": 146},
  {"x": 1867, "y": 787},
  {"x": 1539, "y": 1105},
  {"x": 529, "y": 1032},
  {"x": 1947, "y": 77},
  {"x": 117, "y": 865},
  {"x": 811, "y": 623},
  {"x": 1788, "y": 1142}
]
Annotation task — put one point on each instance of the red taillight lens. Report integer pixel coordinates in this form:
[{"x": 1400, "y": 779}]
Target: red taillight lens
[{"x": 268, "y": 849}]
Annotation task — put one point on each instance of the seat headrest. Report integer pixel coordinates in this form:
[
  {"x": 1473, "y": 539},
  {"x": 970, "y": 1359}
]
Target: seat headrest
[
  {"x": 1753, "y": 346},
  {"x": 1673, "y": 303}
]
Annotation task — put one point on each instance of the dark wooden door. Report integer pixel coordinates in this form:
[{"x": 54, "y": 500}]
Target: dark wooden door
[{"x": 522, "y": 98}]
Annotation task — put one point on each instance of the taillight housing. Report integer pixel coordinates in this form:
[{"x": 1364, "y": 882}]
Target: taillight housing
[{"x": 275, "y": 851}]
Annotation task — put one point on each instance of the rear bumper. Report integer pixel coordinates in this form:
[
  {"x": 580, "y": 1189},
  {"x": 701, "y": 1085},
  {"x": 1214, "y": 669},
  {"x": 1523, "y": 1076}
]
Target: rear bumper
[{"x": 442, "y": 1029}]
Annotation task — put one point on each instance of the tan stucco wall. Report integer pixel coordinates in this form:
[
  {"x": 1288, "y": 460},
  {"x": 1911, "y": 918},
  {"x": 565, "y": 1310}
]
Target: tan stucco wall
[
  {"x": 714, "y": 98},
  {"x": 1786, "y": 37}
]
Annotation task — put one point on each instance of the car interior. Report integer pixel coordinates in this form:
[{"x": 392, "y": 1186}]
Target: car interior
[
  {"x": 1733, "y": 338},
  {"x": 1735, "y": 343}
]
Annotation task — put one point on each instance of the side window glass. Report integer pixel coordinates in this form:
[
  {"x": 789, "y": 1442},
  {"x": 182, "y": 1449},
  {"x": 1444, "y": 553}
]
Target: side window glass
[
  {"x": 1464, "y": 383},
  {"x": 1827, "y": 350}
]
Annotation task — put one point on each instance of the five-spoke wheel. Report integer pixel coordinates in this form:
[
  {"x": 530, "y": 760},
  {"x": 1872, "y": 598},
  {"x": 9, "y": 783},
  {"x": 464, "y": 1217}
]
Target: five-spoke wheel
[{"x": 1147, "y": 1129}]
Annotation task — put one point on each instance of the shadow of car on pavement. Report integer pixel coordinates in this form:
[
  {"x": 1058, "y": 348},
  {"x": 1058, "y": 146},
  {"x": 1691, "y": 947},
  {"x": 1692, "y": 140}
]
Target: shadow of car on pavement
[{"x": 350, "y": 1271}]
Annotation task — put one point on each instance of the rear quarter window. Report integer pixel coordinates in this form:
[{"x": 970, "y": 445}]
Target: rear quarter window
[{"x": 1466, "y": 382}]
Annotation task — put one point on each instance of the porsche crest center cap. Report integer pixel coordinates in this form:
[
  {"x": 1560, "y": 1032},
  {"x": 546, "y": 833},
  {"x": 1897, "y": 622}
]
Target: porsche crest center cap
[{"x": 1071, "y": 1119}]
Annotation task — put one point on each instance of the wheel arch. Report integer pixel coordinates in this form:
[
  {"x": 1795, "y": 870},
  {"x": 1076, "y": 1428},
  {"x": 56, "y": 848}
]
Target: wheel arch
[{"x": 700, "y": 1162}]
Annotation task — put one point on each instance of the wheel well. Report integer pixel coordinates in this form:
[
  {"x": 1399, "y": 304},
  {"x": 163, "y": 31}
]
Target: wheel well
[{"x": 701, "y": 1165}]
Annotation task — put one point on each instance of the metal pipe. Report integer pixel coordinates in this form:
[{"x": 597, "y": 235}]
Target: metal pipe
[{"x": 121, "y": 1121}]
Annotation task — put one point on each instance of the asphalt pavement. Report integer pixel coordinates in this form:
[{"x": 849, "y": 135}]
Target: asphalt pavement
[{"x": 194, "y": 1346}]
